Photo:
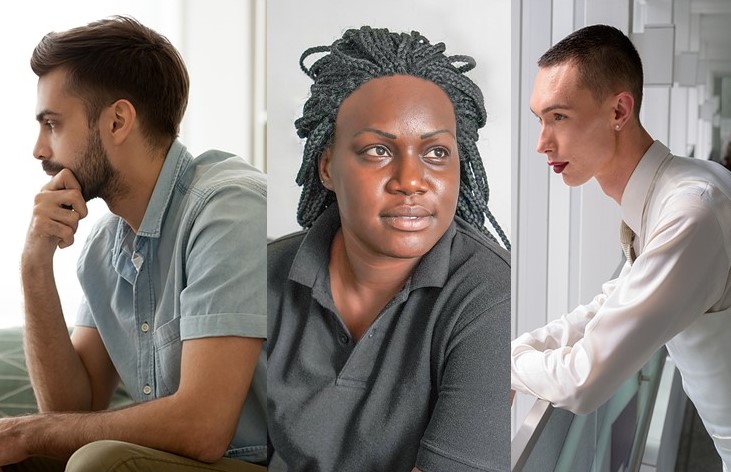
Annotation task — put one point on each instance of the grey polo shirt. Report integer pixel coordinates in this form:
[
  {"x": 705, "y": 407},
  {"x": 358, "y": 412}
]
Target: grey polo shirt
[
  {"x": 194, "y": 269},
  {"x": 427, "y": 385}
]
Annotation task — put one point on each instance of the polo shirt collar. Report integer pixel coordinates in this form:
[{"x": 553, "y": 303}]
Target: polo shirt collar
[
  {"x": 313, "y": 256},
  {"x": 176, "y": 162},
  {"x": 433, "y": 270},
  {"x": 638, "y": 185}
]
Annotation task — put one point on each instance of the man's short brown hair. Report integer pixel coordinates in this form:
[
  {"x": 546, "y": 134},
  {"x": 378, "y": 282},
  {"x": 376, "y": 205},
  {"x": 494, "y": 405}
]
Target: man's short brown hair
[{"x": 119, "y": 58}]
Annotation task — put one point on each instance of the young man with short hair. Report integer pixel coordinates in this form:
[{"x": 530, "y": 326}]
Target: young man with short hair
[{"x": 675, "y": 288}]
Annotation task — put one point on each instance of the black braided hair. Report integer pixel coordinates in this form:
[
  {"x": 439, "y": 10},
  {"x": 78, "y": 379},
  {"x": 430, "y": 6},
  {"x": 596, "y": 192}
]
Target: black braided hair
[{"x": 367, "y": 53}]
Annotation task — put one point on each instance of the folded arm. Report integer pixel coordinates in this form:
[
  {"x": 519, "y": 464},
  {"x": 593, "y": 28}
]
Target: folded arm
[
  {"x": 578, "y": 361},
  {"x": 198, "y": 421}
]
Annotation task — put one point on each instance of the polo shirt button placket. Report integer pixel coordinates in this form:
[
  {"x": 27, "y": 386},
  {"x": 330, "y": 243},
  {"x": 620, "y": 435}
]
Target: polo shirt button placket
[
  {"x": 145, "y": 327},
  {"x": 147, "y": 390}
]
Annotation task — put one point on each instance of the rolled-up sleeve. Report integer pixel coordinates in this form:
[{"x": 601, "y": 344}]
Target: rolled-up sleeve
[{"x": 225, "y": 293}]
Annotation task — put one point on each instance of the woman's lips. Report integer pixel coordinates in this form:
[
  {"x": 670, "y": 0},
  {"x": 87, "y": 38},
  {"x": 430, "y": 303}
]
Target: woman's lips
[
  {"x": 558, "y": 167},
  {"x": 407, "y": 217}
]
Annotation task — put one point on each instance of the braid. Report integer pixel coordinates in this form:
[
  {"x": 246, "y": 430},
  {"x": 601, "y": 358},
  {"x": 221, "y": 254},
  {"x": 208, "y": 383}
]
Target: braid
[{"x": 367, "y": 53}]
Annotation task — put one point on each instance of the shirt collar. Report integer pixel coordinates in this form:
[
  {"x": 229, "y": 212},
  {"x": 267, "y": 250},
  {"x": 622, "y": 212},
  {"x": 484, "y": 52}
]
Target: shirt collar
[
  {"x": 313, "y": 256},
  {"x": 638, "y": 186},
  {"x": 176, "y": 162}
]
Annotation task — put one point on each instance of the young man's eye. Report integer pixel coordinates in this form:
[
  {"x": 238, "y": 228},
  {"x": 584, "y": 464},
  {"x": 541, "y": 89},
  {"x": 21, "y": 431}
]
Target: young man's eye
[
  {"x": 49, "y": 124},
  {"x": 558, "y": 117}
]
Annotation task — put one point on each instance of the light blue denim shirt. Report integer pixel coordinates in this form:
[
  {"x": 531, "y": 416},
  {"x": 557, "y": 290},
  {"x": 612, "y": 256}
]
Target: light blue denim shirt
[{"x": 196, "y": 268}]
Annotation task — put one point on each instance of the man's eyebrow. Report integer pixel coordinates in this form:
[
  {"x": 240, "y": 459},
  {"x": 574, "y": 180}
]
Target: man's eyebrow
[
  {"x": 376, "y": 131},
  {"x": 550, "y": 108},
  {"x": 45, "y": 114},
  {"x": 434, "y": 133}
]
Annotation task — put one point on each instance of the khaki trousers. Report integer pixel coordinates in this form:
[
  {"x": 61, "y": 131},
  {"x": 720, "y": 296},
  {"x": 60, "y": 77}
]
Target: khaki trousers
[{"x": 117, "y": 456}]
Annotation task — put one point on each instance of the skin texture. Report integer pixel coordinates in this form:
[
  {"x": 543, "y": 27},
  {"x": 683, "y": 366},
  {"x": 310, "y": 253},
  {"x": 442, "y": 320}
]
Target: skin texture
[
  {"x": 76, "y": 374},
  {"x": 600, "y": 139},
  {"x": 394, "y": 157}
]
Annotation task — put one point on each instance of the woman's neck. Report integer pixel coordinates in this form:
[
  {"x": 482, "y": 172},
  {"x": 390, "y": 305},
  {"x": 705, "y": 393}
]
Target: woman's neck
[{"x": 362, "y": 283}]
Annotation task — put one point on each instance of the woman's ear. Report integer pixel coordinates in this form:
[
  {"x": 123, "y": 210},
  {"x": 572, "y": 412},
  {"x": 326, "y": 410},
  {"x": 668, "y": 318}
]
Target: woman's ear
[{"x": 324, "y": 167}]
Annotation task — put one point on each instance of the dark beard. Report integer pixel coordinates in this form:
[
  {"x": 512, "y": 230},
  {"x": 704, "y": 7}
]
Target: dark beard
[{"x": 96, "y": 175}]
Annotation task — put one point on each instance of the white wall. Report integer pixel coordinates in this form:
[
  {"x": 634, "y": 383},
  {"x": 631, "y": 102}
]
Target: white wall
[
  {"x": 216, "y": 116},
  {"x": 472, "y": 27}
]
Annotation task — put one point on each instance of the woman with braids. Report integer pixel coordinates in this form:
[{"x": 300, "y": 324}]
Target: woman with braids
[{"x": 389, "y": 315}]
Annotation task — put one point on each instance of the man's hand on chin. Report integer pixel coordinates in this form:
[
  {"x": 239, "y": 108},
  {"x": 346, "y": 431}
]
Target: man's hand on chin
[{"x": 56, "y": 213}]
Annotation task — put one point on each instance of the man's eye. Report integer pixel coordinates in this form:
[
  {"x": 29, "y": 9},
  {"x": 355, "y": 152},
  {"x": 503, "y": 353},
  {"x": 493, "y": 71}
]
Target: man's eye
[
  {"x": 558, "y": 117},
  {"x": 49, "y": 124}
]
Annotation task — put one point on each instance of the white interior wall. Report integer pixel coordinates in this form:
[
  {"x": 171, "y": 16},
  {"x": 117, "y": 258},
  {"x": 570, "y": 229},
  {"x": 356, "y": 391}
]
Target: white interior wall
[
  {"x": 472, "y": 27},
  {"x": 216, "y": 115}
]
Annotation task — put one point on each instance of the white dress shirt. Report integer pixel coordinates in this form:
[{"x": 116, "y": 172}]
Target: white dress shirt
[{"x": 677, "y": 292}]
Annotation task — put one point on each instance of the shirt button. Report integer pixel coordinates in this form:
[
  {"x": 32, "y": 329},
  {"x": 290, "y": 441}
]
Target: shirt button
[
  {"x": 147, "y": 390},
  {"x": 344, "y": 339},
  {"x": 145, "y": 327}
]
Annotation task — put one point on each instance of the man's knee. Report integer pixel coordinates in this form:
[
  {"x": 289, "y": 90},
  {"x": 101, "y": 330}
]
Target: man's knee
[{"x": 102, "y": 456}]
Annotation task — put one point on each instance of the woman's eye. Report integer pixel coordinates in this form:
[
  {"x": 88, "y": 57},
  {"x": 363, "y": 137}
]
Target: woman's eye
[
  {"x": 378, "y": 151},
  {"x": 437, "y": 153}
]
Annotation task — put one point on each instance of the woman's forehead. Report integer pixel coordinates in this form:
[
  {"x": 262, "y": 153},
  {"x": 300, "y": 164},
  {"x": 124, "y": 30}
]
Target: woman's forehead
[{"x": 404, "y": 103}]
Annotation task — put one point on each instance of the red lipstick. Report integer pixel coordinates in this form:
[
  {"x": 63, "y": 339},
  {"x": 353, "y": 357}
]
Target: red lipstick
[{"x": 558, "y": 167}]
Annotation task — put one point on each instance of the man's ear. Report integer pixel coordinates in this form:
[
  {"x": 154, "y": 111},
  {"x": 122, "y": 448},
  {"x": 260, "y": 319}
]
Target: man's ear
[
  {"x": 624, "y": 108},
  {"x": 118, "y": 120},
  {"x": 324, "y": 167}
]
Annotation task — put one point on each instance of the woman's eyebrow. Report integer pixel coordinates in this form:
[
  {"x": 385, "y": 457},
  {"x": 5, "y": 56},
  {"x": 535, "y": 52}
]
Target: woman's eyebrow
[
  {"x": 434, "y": 133},
  {"x": 376, "y": 131}
]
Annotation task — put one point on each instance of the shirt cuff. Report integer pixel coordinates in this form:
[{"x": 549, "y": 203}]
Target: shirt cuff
[{"x": 223, "y": 324}]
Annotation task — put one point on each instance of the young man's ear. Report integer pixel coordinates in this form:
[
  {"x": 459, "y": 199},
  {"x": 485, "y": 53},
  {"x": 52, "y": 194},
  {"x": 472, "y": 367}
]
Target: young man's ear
[
  {"x": 324, "y": 167},
  {"x": 624, "y": 108},
  {"x": 118, "y": 119}
]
